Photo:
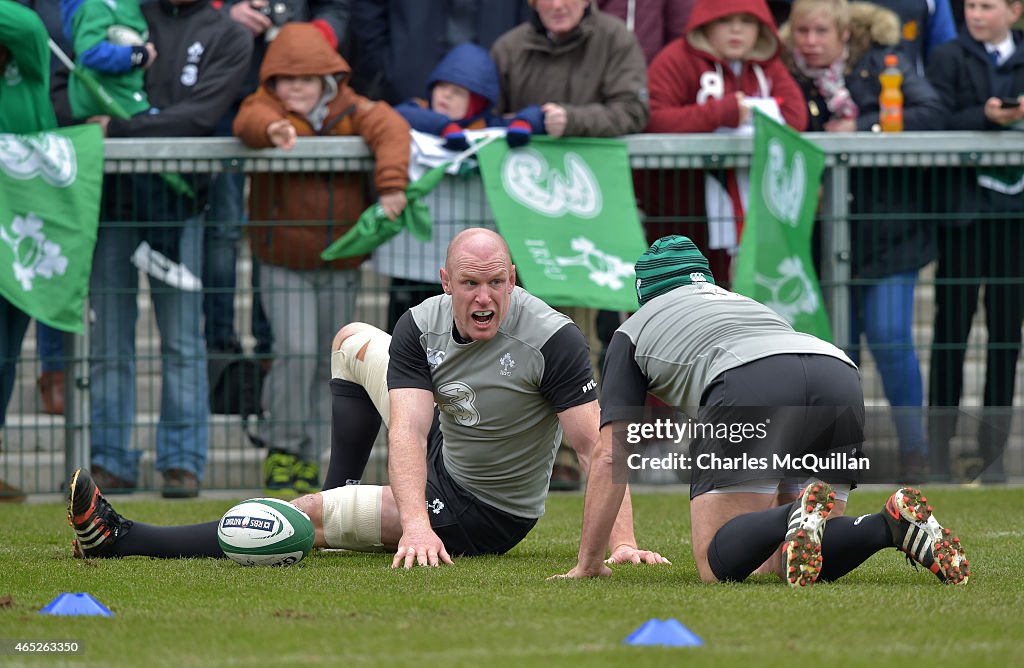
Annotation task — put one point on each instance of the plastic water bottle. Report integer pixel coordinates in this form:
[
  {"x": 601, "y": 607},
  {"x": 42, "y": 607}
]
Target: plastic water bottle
[{"x": 890, "y": 102}]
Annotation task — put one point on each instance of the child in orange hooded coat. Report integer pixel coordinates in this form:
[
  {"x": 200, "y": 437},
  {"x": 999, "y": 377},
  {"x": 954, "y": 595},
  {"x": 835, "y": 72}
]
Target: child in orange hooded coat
[{"x": 304, "y": 93}]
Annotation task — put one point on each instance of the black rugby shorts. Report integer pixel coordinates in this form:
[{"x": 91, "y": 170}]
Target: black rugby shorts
[{"x": 466, "y": 525}]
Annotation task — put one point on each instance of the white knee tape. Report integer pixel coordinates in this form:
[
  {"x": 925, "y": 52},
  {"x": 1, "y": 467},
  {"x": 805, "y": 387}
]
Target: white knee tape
[
  {"x": 363, "y": 359},
  {"x": 352, "y": 517}
]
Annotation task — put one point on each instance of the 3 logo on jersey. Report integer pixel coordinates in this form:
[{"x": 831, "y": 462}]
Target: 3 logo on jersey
[
  {"x": 190, "y": 72},
  {"x": 458, "y": 400}
]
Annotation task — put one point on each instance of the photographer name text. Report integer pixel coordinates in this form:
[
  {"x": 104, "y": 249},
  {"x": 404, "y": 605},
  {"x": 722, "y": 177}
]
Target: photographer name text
[{"x": 812, "y": 463}]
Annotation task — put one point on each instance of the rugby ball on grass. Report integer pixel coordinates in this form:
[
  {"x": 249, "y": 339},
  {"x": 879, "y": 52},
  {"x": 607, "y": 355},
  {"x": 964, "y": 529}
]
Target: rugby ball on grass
[{"x": 265, "y": 532}]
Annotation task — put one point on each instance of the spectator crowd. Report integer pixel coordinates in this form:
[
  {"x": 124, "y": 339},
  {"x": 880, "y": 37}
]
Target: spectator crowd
[{"x": 271, "y": 71}]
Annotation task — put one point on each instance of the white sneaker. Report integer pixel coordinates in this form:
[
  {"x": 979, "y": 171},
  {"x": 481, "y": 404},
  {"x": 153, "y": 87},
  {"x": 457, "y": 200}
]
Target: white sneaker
[{"x": 162, "y": 268}]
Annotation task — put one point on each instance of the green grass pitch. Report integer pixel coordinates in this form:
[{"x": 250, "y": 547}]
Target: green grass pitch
[{"x": 349, "y": 609}]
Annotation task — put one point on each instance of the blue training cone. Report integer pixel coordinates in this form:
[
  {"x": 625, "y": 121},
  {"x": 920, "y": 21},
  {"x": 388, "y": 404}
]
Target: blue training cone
[
  {"x": 668, "y": 633},
  {"x": 80, "y": 604}
]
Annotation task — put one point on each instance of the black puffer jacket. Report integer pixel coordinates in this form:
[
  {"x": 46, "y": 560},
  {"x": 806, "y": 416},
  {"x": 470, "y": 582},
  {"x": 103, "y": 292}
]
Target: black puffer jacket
[{"x": 890, "y": 232}]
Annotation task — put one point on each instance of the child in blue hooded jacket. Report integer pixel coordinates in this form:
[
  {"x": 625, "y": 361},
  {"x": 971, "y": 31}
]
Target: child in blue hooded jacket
[{"x": 460, "y": 95}]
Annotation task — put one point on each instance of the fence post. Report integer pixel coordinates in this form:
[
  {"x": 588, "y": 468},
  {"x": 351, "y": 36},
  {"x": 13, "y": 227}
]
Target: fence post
[
  {"x": 76, "y": 384},
  {"x": 836, "y": 248}
]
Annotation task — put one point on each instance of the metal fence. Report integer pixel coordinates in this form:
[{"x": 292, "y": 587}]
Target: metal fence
[{"x": 916, "y": 171}]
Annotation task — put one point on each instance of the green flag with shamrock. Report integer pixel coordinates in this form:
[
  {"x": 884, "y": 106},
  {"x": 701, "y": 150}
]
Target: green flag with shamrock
[
  {"x": 774, "y": 265},
  {"x": 50, "y": 186},
  {"x": 567, "y": 210}
]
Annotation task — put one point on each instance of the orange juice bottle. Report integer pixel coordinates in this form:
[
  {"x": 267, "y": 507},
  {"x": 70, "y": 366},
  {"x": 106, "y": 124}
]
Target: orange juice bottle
[{"x": 890, "y": 102}]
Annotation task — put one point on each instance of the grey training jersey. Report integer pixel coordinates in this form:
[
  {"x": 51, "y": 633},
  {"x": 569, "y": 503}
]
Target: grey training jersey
[
  {"x": 676, "y": 344},
  {"x": 498, "y": 399}
]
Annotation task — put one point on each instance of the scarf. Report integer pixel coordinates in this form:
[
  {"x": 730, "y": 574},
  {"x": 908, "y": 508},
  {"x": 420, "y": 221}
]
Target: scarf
[{"x": 831, "y": 83}]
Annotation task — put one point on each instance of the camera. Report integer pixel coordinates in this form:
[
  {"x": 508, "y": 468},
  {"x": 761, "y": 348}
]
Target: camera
[{"x": 279, "y": 12}]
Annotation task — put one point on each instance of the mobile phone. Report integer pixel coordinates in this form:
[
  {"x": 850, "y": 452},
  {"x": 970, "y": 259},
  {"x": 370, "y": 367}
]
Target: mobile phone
[{"x": 1009, "y": 102}]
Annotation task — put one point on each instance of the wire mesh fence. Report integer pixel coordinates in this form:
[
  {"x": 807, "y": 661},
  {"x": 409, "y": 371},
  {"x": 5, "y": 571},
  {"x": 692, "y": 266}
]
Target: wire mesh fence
[{"x": 903, "y": 244}]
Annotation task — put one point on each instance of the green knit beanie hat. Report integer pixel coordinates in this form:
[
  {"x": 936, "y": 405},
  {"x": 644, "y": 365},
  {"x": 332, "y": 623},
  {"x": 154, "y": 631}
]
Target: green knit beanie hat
[{"x": 669, "y": 263}]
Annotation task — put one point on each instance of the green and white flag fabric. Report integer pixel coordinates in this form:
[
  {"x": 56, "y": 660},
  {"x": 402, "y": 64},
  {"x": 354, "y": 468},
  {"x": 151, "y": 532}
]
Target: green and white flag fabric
[
  {"x": 50, "y": 186},
  {"x": 567, "y": 210},
  {"x": 774, "y": 265}
]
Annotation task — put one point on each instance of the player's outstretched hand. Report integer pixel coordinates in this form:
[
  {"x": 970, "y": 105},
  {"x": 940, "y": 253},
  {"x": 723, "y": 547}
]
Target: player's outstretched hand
[
  {"x": 627, "y": 554},
  {"x": 420, "y": 546},
  {"x": 581, "y": 571}
]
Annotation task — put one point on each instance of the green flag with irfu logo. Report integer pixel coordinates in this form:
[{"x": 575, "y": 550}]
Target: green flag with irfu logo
[
  {"x": 50, "y": 186},
  {"x": 567, "y": 210},
  {"x": 774, "y": 265}
]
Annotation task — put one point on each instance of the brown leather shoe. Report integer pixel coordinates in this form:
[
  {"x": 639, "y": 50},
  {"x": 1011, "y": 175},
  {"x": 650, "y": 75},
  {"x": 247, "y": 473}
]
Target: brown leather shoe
[
  {"x": 110, "y": 483},
  {"x": 180, "y": 484},
  {"x": 51, "y": 391},
  {"x": 10, "y": 494}
]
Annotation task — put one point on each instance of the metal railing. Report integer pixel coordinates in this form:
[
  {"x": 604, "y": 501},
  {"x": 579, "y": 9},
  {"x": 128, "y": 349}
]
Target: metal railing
[
  {"x": 648, "y": 152},
  {"x": 663, "y": 155}
]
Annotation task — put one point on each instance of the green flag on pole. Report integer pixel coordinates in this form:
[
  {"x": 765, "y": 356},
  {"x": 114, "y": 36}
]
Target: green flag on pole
[
  {"x": 774, "y": 265},
  {"x": 567, "y": 210},
  {"x": 50, "y": 186}
]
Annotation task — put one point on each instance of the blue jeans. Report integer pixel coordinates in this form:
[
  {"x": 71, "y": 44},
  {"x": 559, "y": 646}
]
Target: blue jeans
[
  {"x": 50, "y": 346},
  {"x": 220, "y": 254},
  {"x": 884, "y": 312},
  {"x": 182, "y": 431},
  {"x": 220, "y": 258},
  {"x": 13, "y": 325}
]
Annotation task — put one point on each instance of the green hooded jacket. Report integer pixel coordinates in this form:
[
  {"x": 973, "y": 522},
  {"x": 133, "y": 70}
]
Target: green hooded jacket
[{"x": 24, "y": 71}]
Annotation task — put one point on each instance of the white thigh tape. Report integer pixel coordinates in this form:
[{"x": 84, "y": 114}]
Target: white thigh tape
[
  {"x": 352, "y": 517},
  {"x": 759, "y": 486}
]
